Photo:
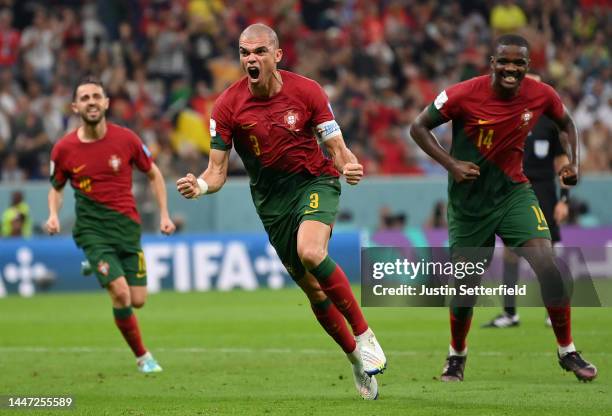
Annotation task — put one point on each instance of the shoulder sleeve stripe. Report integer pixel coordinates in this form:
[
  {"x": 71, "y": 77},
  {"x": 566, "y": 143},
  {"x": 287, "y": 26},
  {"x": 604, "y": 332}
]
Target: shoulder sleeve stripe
[
  {"x": 217, "y": 143},
  {"x": 57, "y": 184},
  {"x": 441, "y": 99},
  {"x": 435, "y": 114}
]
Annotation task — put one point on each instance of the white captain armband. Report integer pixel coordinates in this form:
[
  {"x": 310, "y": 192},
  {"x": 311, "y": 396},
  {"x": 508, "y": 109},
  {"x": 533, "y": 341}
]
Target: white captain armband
[{"x": 327, "y": 130}]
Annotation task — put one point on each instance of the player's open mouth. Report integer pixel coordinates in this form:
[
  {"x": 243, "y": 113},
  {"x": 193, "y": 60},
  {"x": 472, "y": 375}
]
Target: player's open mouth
[
  {"x": 253, "y": 73},
  {"x": 510, "y": 79}
]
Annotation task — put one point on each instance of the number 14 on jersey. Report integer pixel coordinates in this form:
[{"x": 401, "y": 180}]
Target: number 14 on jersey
[{"x": 485, "y": 139}]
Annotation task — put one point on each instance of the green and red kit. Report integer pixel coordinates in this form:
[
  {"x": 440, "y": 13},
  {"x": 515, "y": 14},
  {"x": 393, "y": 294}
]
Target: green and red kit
[
  {"x": 101, "y": 174},
  {"x": 291, "y": 180},
  {"x": 490, "y": 131}
]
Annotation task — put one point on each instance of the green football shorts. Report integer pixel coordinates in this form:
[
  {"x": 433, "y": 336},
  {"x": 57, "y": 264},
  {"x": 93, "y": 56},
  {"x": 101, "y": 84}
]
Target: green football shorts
[
  {"x": 516, "y": 220},
  {"x": 314, "y": 199},
  {"x": 109, "y": 263}
]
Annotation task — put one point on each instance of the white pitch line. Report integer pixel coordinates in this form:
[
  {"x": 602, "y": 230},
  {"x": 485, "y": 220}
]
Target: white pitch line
[{"x": 233, "y": 350}]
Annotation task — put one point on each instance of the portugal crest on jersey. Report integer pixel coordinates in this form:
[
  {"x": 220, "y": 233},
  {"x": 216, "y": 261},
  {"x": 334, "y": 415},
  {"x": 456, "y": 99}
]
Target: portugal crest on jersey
[
  {"x": 115, "y": 163},
  {"x": 291, "y": 119},
  {"x": 526, "y": 118}
]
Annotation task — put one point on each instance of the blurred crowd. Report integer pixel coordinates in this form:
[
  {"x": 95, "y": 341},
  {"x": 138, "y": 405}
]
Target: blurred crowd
[{"x": 164, "y": 62}]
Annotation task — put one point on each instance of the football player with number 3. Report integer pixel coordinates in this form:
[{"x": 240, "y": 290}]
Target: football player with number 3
[
  {"x": 487, "y": 190},
  {"x": 276, "y": 121},
  {"x": 97, "y": 158}
]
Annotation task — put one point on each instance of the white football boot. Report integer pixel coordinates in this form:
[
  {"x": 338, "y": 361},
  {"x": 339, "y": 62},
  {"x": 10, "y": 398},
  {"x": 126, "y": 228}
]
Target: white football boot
[
  {"x": 503, "y": 320},
  {"x": 372, "y": 355},
  {"x": 147, "y": 364},
  {"x": 366, "y": 385}
]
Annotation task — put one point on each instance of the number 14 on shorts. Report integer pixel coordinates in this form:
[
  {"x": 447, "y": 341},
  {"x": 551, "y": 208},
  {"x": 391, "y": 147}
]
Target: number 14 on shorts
[{"x": 542, "y": 224}]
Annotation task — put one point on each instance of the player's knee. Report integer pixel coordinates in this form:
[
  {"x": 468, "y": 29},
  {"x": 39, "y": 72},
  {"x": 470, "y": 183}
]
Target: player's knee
[
  {"x": 546, "y": 263},
  {"x": 120, "y": 293},
  {"x": 311, "y": 257},
  {"x": 121, "y": 298},
  {"x": 542, "y": 259},
  {"x": 139, "y": 296}
]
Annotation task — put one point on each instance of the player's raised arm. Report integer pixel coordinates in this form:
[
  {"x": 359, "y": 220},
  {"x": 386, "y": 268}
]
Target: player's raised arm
[
  {"x": 344, "y": 160},
  {"x": 569, "y": 172},
  {"x": 210, "y": 181},
  {"x": 422, "y": 135},
  {"x": 156, "y": 180},
  {"x": 55, "y": 200}
]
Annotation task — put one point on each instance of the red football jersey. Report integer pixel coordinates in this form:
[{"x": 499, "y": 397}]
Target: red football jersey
[
  {"x": 274, "y": 135},
  {"x": 490, "y": 131},
  {"x": 497, "y": 127},
  {"x": 101, "y": 170}
]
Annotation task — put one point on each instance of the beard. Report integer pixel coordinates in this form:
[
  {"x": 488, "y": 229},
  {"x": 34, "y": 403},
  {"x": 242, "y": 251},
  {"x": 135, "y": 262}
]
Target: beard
[{"x": 92, "y": 121}]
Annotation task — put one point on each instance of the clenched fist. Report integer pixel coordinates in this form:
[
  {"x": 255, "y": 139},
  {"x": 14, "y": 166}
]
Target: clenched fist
[
  {"x": 188, "y": 186},
  {"x": 353, "y": 172}
]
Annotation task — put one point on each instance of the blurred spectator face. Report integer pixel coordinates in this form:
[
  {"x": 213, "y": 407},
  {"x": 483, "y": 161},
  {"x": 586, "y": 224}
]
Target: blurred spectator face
[
  {"x": 125, "y": 30},
  {"x": 6, "y": 18},
  {"x": 34, "y": 90},
  {"x": 258, "y": 57},
  {"x": 6, "y": 77},
  {"x": 90, "y": 103},
  {"x": 40, "y": 18},
  {"x": 69, "y": 16},
  {"x": 10, "y": 162},
  {"x": 509, "y": 65},
  {"x": 16, "y": 198}
]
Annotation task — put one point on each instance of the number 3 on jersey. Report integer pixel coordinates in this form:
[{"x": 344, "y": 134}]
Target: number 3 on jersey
[
  {"x": 255, "y": 144},
  {"x": 85, "y": 184},
  {"x": 485, "y": 140}
]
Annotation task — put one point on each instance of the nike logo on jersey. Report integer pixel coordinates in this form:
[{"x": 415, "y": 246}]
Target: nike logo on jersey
[
  {"x": 481, "y": 122},
  {"x": 248, "y": 126},
  {"x": 78, "y": 168},
  {"x": 310, "y": 211},
  {"x": 542, "y": 228}
]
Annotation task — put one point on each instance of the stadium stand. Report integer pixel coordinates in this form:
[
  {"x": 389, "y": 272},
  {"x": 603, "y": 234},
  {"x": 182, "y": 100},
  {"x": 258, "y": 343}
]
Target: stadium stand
[{"x": 379, "y": 61}]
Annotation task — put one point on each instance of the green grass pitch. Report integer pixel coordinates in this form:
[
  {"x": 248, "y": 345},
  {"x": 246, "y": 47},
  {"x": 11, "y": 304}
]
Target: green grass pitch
[{"x": 263, "y": 353}]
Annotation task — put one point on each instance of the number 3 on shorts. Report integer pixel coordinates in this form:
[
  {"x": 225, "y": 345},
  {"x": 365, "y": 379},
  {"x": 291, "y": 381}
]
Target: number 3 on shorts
[
  {"x": 314, "y": 200},
  {"x": 542, "y": 224}
]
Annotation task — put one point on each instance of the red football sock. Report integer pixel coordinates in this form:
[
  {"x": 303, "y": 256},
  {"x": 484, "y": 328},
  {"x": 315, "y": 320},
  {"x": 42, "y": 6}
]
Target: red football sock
[
  {"x": 460, "y": 321},
  {"x": 128, "y": 325},
  {"x": 334, "y": 324},
  {"x": 336, "y": 286},
  {"x": 560, "y": 317}
]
